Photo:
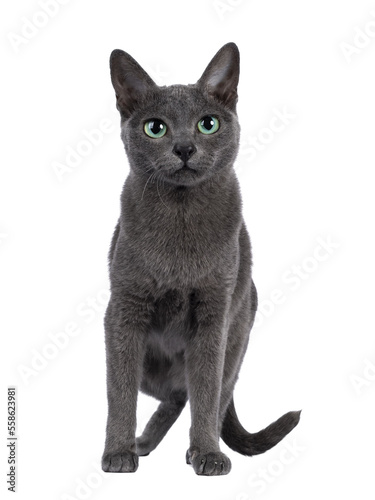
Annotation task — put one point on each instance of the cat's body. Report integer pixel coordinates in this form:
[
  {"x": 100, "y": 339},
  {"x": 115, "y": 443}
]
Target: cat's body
[{"x": 182, "y": 298}]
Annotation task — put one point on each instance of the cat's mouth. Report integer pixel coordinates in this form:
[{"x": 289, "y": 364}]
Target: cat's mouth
[
  {"x": 184, "y": 174},
  {"x": 186, "y": 168}
]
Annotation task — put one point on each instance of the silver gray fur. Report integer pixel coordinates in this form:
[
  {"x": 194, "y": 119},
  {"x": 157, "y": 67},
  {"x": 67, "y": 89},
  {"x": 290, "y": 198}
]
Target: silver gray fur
[{"x": 182, "y": 298}]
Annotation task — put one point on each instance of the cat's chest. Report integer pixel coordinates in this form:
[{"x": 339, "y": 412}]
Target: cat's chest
[{"x": 180, "y": 245}]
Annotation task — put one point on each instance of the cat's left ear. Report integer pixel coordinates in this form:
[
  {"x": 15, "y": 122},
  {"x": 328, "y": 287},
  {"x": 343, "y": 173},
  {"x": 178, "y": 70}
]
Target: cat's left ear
[
  {"x": 220, "y": 79},
  {"x": 130, "y": 81}
]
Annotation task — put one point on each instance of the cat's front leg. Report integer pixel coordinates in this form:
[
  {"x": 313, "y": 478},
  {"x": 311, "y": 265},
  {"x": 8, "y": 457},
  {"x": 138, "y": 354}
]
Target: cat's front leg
[
  {"x": 125, "y": 339},
  {"x": 204, "y": 356}
]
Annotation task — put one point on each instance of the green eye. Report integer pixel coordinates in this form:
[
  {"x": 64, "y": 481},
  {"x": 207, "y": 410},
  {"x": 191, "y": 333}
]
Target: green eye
[
  {"x": 155, "y": 128},
  {"x": 208, "y": 125}
]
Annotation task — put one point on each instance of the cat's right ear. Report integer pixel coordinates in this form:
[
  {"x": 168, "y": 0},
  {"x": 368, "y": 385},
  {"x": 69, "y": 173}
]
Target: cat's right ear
[{"x": 130, "y": 81}]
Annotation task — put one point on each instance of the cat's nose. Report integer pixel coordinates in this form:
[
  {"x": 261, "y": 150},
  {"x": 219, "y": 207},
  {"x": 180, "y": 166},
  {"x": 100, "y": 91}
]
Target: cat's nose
[{"x": 184, "y": 151}]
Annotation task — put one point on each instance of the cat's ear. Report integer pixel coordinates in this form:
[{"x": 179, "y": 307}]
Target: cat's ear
[
  {"x": 130, "y": 81},
  {"x": 220, "y": 79}
]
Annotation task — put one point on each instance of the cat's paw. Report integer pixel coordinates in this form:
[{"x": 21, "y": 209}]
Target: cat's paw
[
  {"x": 209, "y": 464},
  {"x": 125, "y": 461},
  {"x": 144, "y": 447}
]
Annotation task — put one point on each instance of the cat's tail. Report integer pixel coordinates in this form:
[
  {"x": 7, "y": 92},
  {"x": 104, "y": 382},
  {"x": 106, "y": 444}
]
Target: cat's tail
[{"x": 237, "y": 438}]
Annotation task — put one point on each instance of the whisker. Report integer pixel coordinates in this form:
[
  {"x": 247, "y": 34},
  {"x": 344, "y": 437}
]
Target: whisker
[
  {"x": 157, "y": 188},
  {"x": 143, "y": 192}
]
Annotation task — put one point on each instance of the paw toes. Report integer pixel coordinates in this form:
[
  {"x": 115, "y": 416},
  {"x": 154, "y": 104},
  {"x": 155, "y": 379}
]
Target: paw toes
[
  {"x": 201, "y": 466},
  {"x": 120, "y": 462},
  {"x": 210, "y": 464}
]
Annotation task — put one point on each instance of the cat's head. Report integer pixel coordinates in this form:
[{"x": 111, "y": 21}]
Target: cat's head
[{"x": 183, "y": 134}]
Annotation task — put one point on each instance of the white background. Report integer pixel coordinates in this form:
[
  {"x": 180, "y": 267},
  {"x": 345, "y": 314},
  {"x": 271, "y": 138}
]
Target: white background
[{"x": 312, "y": 181}]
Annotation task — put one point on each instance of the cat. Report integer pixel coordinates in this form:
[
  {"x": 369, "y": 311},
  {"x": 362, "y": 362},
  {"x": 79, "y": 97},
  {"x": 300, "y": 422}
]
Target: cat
[{"x": 182, "y": 297}]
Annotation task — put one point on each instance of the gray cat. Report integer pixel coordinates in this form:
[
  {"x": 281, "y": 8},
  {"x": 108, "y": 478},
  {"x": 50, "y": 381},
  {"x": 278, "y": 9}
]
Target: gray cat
[{"x": 182, "y": 298}]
